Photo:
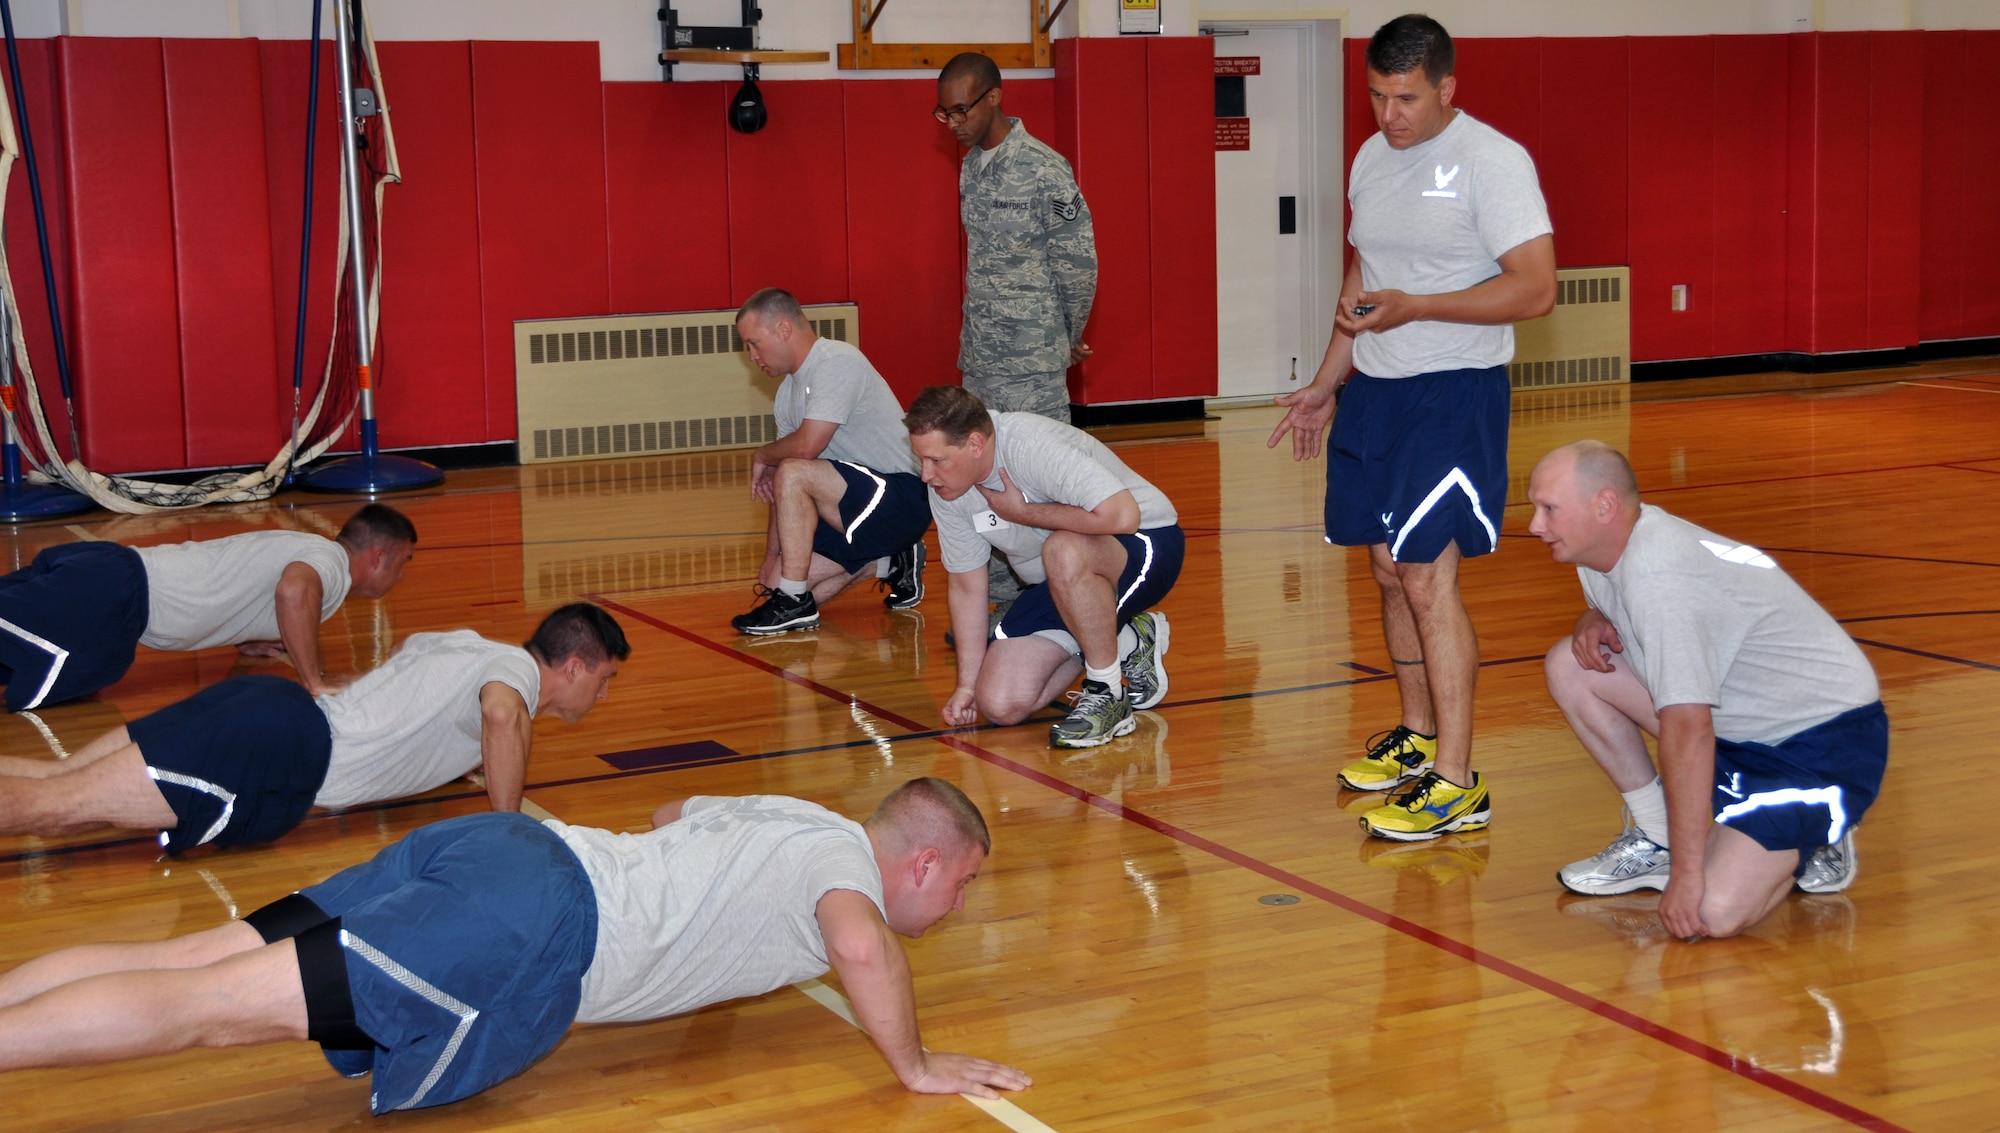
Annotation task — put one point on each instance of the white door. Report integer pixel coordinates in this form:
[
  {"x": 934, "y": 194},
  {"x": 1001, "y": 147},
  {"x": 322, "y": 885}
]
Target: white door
[{"x": 1260, "y": 281}]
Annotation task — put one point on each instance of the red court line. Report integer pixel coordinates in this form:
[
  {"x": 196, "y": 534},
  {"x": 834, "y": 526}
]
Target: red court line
[{"x": 1686, "y": 1044}]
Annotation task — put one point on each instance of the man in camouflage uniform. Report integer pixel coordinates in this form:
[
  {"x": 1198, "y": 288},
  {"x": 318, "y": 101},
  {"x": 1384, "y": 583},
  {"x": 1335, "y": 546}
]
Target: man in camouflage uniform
[{"x": 1031, "y": 259}]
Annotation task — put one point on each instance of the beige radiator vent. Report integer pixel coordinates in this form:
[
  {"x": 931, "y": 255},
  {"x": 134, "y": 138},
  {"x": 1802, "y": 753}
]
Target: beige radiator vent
[
  {"x": 1586, "y": 340},
  {"x": 623, "y": 385}
]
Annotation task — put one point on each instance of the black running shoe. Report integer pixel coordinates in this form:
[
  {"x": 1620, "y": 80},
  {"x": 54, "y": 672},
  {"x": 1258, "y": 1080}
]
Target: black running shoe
[
  {"x": 779, "y": 613},
  {"x": 905, "y": 579}
]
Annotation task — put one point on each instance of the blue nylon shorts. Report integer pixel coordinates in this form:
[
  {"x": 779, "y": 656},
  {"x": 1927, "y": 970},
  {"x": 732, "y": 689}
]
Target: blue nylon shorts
[
  {"x": 70, "y": 622},
  {"x": 1418, "y": 463},
  {"x": 466, "y": 947},
  {"x": 1807, "y": 790},
  {"x": 239, "y": 762},
  {"x": 883, "y": 513},
  {"x": 1152, "y": 565}
]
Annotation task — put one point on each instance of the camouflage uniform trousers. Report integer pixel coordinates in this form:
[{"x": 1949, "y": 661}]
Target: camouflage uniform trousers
[{"x": 1045, "y": 394}]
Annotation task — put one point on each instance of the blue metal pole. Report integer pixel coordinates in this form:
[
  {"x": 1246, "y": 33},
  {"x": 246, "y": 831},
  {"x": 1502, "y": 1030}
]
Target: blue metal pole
[{"x": 305, "y": 246}]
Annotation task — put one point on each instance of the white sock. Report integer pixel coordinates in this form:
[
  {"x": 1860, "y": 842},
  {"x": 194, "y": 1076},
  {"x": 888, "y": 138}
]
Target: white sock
[
  {"x": 1648, "y": 805},
  {"x": 791, "y": 589},
  {"x": 882, "y": 566},
  {"x": 1110, "y": 677},
  {"x": 1128, "y": 640}
]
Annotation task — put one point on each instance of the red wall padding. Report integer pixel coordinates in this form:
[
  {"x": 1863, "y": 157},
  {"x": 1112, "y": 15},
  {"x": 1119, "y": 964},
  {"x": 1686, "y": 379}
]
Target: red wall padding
[
  {"x": 1490, "y": 87},
  {"x": 1672, "y": 207},
  {"x": 904, "y": 241},
  {"x": 1943, "y": 186},
  {"x": 431, "y": 368},
  {"x": 1108, "y": 154},
  {"x": 126, "y": 352},
  {"x": 1979, "y": 186},
  {"x": 23, "y": 257},
  {"x": 286, "y": 71},
  {"x": 1745, "y": 301},
  {"x": 1180, "y": 127},
  {"x": 1581, "y": 157},
  {"x": 222, "y": 251},
  {"x": 538, "y": 147},
  {"x": 1895, "y": 202},
  {"x": 666, "y": 187},
  {"x": 788, "y": 201}
]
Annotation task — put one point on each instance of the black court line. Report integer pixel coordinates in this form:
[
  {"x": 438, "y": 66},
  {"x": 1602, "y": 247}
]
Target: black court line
[
  {"x": 1927, "y": 654},
  {"x": 1677, "y": 1040},
  {"x": 1904, "y": 617}
]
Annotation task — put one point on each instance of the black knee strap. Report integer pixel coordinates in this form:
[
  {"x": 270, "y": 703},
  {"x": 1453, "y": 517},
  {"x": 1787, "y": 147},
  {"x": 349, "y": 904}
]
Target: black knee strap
[
  {"x": 285, "y": 918},
  {"x": 329, "y": 1003},
  {"x": 322, "y": 968}
]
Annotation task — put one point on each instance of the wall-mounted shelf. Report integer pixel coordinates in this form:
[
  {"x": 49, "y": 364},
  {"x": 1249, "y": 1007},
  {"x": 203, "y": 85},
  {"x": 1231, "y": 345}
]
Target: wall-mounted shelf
[
  {"x": 702, "y": 55},
  {"x": 864, "y": 54}
]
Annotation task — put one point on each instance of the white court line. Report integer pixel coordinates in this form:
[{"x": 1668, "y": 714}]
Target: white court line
[
  {"x": 80, "y": 533},
  {"x": 999, "y": 1109},
  {"x": 1960, "y": 389}
]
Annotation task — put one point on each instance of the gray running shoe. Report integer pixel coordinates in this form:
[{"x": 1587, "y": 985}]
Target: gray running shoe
[
  {"x": 1096, "y": 718},
  {"x": 1831, "y": 868},
  {"x": 1145, "y": 667},
  {"x": 1631, "y": 861}
]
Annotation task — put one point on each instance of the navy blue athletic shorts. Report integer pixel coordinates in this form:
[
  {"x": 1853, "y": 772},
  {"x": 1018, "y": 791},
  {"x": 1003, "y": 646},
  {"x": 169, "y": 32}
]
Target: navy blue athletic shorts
[
  {"x": 882, "y": 514},
  {"x": 1808, "y": 790},
  {"x": 1152, "y": 564},
  {"x": 1418, "y": 463},
  {"x": 70, "y": 622},
  {"x": 465, "y": 946},
  {"x": 238, "y": 761}
]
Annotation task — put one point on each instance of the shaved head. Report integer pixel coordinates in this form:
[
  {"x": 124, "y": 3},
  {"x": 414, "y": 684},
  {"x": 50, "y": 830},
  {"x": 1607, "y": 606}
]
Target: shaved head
[
  {"x": 1599, "y": 466},
  {"x": 1586, "y": 502}
]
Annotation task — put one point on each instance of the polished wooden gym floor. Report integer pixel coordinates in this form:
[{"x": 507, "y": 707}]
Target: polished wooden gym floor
[{"x": 1184, "y": 928}]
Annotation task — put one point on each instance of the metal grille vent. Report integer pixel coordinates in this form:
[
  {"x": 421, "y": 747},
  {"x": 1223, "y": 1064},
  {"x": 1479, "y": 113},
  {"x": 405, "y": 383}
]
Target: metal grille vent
[
  {"x": 1590, "y": 289},
  {"x": 652, "y": 342},
  {"x": 654, "y": 436},
  {"x": 1566, "y": 372}
]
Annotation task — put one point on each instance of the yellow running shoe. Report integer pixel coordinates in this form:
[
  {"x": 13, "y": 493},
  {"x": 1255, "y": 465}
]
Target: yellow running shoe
[
  {"x": 1393, "y": 757},
  {"x": 1432, "y": 808}
]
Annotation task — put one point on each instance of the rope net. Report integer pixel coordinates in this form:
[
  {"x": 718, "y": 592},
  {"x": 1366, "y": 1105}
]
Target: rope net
[{"x": 337, "y": 398}]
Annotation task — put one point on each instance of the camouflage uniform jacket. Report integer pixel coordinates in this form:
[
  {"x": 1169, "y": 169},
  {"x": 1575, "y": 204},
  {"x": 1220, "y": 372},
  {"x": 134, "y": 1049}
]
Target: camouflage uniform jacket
[{"x": 1031, "y": 258}]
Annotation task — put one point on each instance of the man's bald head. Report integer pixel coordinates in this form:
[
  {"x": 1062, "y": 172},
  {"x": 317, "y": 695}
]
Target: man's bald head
[
  {"x": 1599, "y": 466},
  {"x": 1586, "y": 500}
]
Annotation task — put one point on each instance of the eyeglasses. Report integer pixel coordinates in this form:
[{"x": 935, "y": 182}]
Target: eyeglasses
[{"x": 953, "y": 115}]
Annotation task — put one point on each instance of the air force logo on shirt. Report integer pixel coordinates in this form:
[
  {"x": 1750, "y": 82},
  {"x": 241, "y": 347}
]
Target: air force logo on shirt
[
  {"x": 1744, "y": 554},
  {"x": 1443, "y": 180}
]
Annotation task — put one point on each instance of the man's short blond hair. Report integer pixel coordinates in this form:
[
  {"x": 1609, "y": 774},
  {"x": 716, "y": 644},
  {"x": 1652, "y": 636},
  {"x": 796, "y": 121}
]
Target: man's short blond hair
[{"x": 929, "y": 812}]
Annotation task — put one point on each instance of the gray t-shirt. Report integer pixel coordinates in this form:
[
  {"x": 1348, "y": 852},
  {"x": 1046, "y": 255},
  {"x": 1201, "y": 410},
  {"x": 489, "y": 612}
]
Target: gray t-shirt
[
  {"x": 1707, "y": 620},
  {"x": 835, "y": 384},
  {"x": 224, "y": 591},
  {"x": 415, "y": 722},
  {"x": 718, "y": 905},
  {"x": 1051, "y": 463},
  {"x": 1435, "y": 218}
]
